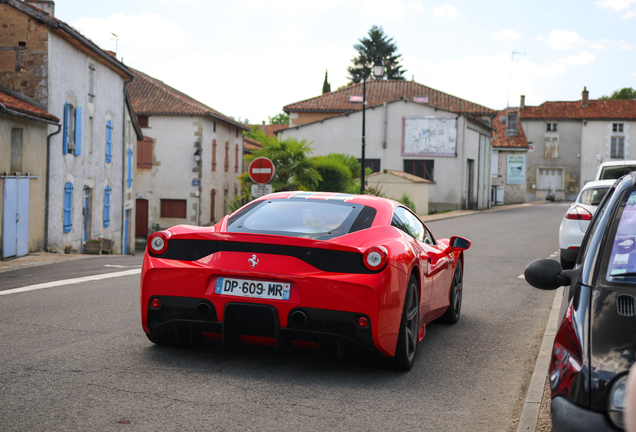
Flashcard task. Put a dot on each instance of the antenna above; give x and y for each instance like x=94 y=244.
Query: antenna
x=512 y=58
x=116 y=41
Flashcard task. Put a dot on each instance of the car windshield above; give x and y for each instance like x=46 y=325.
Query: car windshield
x=316 y=219
x=622 y=264
x=615 y=172
x=593 y=196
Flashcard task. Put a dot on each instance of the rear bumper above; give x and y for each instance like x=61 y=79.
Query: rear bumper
x=569 y=417
x=188 y=317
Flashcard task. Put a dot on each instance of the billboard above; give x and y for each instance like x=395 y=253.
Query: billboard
x=429 y=136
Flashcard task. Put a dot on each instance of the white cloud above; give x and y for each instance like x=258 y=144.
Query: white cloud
x=506 y=35
x=628 y=7
x=293 y=7
x=415 y=6
x=391 y=9
x=579 y=59
x=147 y=31
x=446 y=11
x=562 y=40
x=292 y=31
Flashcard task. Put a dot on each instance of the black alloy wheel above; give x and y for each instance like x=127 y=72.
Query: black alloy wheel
x=451 y=316
x=409 y=329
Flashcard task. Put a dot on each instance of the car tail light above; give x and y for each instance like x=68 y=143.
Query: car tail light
x=158 y=242
x=578 y=213
x=566 y=357
x=375 y=258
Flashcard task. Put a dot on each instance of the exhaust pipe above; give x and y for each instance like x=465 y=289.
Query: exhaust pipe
x=299 y=318
x=204 y=310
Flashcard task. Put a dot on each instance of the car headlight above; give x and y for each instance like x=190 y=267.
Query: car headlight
x=616 y=403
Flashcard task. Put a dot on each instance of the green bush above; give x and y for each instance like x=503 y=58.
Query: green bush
x=336 y=176
x=404 y=199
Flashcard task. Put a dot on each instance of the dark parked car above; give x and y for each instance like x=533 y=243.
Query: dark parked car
x=595 y=344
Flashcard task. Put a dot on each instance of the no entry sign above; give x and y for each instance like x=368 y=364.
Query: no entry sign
x=261 y=170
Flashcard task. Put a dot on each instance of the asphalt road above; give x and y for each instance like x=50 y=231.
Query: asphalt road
x=75 y=358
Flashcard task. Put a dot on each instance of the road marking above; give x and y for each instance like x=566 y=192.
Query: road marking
x=70 y=281
x=121 y=266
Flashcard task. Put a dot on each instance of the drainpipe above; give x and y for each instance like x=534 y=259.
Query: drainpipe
x=123 y=171
x=48 y=186
x=384 y=107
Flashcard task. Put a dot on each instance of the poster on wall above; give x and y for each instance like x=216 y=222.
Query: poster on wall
x=432 y=136
x=516 y=169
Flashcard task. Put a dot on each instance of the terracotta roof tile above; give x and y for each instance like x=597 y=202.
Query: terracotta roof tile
x=597 y=109
x=251 y=144
x=19 y=106
x=501 y=139
x=379 y=91
x=150 y=96
x=401 y=174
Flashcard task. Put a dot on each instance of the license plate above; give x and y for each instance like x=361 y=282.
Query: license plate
x=252 y=288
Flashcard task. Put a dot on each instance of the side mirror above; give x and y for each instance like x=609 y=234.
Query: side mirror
x=545 y=274
x=459 y=243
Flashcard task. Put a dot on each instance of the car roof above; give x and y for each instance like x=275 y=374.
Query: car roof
x=618 y=163
x=598 y=184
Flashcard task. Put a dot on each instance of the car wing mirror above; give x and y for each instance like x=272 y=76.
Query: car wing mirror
x=459 y=243
x=546 y=274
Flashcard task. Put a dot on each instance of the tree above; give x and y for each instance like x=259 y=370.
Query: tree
x=326 y=87
x=624 y=93
x=380 y=45
x=337 y=175
x=281 y=118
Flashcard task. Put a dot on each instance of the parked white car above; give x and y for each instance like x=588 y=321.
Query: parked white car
x=615 y=169
x=577 y=219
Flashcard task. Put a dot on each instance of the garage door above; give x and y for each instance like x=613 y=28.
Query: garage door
x=550 y=179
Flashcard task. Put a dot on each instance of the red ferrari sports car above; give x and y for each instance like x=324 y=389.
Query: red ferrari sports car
x=332 y=271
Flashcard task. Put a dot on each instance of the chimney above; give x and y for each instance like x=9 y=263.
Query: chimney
x=584 y=102
x=522 y=103
x=47 y=6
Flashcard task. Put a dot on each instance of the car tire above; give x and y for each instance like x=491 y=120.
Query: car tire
x=409 y=329
x=565 y=264
x=451 y=316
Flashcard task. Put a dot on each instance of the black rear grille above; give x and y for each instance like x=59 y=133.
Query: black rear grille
x=322 y=259
x=626 y=305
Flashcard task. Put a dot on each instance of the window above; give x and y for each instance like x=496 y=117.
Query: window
x=212 y=205
x=214 y=126
x=214 y=153
x=236 y=158
x=617 y=148
x=143 y=121
x=72 y=139
x=617 y=127
x=511 y=125
x=227 y=156
x=551 y=147
x=90 y=135
x=91 y=83
x=109 y=141
x=129 y=180
x=173 y=208
x=419 y=167
x=107 y=207
x=16 y=150
x=144 y=153
x=374 y=164
x=552 y=127
x=68 y=206
x=409 y=223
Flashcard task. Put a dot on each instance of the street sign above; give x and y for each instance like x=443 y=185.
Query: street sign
x=258 y=190
x=261 y=170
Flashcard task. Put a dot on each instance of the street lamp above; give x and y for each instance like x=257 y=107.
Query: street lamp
x=197 y=156
x=378 y=72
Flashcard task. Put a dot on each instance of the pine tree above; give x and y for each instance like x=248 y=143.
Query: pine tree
x=378 y=44
x=326 y=86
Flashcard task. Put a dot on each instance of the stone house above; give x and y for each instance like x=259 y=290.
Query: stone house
x=508 y=163
x=409 y=127
x=70 y=77
x=188 y=161
x=24 y=132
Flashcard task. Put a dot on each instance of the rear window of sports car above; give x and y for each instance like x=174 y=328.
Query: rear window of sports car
x=320 y=220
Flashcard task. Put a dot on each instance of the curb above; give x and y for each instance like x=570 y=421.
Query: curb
x=532 y=405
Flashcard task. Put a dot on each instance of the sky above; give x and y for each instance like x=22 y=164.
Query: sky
x=249 y=58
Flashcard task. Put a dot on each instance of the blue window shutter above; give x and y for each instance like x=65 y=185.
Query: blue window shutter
x=68 y=206
x=65 y=136
x=109 y=141
x=107 y=207
x=78 y=131
x=129 y=167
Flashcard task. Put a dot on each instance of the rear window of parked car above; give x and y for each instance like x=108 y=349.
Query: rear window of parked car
x=615 y=172
x=622 y=261
x=593 y=196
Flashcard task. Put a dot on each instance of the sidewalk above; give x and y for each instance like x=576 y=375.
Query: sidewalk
x=36 y=259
